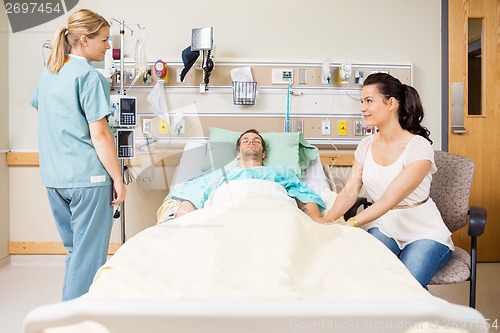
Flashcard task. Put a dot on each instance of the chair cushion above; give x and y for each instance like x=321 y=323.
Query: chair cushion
x=457 y=269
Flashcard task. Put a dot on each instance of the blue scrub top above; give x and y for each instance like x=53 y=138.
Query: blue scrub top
x=67 y=102
x=197 y=190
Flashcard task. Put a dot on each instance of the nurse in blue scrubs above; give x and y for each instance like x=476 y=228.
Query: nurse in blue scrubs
x=78 y=160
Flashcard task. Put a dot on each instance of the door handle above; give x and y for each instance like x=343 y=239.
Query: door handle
x=457 y=108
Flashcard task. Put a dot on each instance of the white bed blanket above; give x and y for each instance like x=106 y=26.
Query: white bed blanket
x=254 y=247
x=253 y=263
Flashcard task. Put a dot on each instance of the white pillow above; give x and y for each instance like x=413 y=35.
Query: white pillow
x=315 y=177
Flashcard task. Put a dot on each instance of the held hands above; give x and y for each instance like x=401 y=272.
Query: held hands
x=352 y=222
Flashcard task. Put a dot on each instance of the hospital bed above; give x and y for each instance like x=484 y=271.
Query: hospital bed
x=250 y=261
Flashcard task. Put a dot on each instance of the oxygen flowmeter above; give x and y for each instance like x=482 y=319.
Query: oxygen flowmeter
x=123 y=120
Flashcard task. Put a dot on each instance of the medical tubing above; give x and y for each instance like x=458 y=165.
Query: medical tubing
x=140 y=53
x=347 y=93
x=287 y=115
x=330 y=141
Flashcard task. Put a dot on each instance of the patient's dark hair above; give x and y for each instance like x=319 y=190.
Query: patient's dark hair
x=238 y=143
x=410 y=111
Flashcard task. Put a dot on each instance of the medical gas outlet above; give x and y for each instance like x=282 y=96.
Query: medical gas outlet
x=345 y=72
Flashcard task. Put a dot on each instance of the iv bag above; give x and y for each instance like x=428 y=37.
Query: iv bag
x=141 y=63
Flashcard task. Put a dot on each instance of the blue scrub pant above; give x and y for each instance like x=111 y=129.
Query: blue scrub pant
x=423 y=257
x=84 y=218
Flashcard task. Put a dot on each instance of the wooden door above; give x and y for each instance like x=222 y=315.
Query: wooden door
x=480 y=74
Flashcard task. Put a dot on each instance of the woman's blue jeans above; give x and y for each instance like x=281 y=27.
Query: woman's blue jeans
x=423 y=258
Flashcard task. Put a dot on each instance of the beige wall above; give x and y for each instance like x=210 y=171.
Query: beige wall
x=4 y=134
x=359 y=31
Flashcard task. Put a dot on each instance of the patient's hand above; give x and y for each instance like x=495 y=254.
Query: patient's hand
x=184 y=208
x=321 y=220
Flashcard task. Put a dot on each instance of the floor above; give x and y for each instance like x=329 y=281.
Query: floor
x=31 y=281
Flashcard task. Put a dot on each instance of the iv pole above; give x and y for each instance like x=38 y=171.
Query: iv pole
x=122 y=92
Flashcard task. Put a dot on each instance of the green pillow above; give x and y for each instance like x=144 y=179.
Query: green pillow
x=282 y=149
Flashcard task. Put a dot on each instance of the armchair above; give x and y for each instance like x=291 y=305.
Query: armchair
x=450 y=190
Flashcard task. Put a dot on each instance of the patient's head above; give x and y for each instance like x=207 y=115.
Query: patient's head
x=250 y=149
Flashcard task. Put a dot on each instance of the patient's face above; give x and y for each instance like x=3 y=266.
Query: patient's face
x=251 y=147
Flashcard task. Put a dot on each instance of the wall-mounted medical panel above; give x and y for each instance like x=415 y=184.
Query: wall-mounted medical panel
x=327 y=114
x=304 y=75
x=342 y=128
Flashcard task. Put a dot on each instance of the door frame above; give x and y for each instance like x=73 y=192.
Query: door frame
x=444 y=75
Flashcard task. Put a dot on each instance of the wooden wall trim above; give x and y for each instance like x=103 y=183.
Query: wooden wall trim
x=31 y=158
x=337 y=159
x=22 y=159
x=16 y=247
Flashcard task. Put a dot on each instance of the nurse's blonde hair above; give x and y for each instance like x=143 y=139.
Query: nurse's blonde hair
x=82 y=22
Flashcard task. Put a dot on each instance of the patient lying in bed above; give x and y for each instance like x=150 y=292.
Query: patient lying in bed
x=250 y=152
x=246 y=240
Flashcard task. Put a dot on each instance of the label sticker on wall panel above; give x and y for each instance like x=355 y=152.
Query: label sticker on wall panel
x=342 y=128
x=163 y=127
x=282 y=76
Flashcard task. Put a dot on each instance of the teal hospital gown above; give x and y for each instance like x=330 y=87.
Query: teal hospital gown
x=197 y=190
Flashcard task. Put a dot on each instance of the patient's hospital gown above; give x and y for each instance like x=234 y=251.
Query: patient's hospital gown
x=198 y=190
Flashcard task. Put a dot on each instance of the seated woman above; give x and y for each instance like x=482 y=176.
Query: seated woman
x=396 y=166
x=250 y=152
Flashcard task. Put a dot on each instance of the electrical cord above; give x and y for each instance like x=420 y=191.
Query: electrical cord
x=209 y=66
x=128 y=177
x=330 y=141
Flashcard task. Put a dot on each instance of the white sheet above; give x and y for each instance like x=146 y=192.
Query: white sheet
x=260 y=265
x=253 y=247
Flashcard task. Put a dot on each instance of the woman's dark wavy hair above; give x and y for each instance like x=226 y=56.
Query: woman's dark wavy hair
x=410 y=111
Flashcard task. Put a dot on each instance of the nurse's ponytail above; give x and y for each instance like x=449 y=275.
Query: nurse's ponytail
x=59 y=49
x=410 y=111
x=82 y=22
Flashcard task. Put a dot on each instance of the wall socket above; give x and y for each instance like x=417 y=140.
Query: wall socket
x=358 y=128
x=325 y=127
x=147 y=128
x=297 y=126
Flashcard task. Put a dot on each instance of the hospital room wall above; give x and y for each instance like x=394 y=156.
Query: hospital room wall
x=4 y=135
x=359 y=31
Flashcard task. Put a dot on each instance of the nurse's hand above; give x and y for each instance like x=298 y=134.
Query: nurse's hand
x=119 y=193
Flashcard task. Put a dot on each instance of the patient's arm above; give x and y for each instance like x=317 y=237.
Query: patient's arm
x=184 y=208
x=310 y=208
